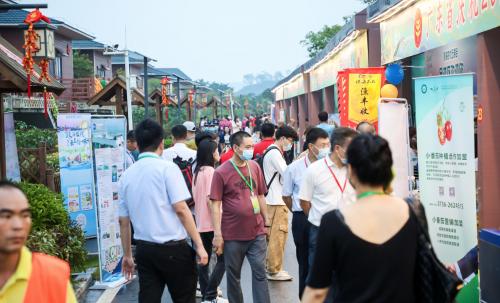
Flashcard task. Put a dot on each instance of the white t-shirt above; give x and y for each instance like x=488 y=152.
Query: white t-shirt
x=148 y=190
x=293 y=180
x=181 y=150
x=320 y=188
x=274 y=163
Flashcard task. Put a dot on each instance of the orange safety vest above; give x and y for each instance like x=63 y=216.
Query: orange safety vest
x=49 y=279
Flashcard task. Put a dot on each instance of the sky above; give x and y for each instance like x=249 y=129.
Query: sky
x=214 y=40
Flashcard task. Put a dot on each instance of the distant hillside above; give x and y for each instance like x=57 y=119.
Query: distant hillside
x=257 y=88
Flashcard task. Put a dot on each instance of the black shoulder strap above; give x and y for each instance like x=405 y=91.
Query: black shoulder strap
x=276 y=173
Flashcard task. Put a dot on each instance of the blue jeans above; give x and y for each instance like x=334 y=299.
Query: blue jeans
x=234 y=254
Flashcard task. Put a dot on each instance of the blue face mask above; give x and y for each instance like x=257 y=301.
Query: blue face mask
x=247 y=154
x=323 y=153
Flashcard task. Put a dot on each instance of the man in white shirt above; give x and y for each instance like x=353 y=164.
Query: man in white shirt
x=274 y=168
x=153 y=200
x=318 y=147
x=131 y=151
x=179 y=148
x=325 y=184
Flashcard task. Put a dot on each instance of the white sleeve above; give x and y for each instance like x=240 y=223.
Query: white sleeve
x=167 y=155
x=277 y=161
x=307 y=185
x=122 y=204
x=177 y=190
x=287 y=183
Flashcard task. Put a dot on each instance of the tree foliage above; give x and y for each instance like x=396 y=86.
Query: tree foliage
x=82 y=65
x=317 y=41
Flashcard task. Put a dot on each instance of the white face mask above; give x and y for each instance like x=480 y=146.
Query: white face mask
x=287 y=147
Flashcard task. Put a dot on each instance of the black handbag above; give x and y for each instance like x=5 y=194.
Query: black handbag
x=433 y=282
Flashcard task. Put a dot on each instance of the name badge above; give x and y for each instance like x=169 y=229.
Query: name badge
x=255 y=204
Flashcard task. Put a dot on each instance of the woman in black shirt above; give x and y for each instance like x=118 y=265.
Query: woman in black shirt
x=370 y=246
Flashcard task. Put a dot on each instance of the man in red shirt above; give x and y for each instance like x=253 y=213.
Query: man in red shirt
x=238 y=187
x=226 y=156
x=267 y=132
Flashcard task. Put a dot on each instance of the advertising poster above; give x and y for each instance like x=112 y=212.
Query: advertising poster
x=428 y=24
x=445 y=130
x=109 y=140
x=12 y=160
x=77 y=175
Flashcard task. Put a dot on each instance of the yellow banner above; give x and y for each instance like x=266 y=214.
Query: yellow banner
x=364 y=92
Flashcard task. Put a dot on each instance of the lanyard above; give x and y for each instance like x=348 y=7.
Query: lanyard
x=129 y=154
x=142 y=156
x=342 y=189
x=249 y=184
x=369 y=194
x=305 y=162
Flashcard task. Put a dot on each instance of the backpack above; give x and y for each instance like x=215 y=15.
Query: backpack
x=260 y=160
x=186 y=167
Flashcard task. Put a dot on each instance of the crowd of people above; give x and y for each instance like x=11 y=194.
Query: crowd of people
x=219 y=195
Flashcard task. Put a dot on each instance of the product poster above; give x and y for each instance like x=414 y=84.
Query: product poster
x=77 y=177
x=109 y=139
x=445 y=130
x=12 y=160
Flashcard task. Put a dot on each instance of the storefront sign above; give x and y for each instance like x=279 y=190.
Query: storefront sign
x=359 y=92
x=354 y=54
x=12 y=172
x=428 y=24
x=76 y=163
x=108 y=140
x=445 y=128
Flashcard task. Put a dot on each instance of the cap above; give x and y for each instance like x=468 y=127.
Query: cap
x=190 y=126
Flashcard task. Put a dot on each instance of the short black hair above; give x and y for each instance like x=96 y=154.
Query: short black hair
x=371 y=161
x=149 y=135
x=237 y=138
x=314 y=134
x=340 y=136
x=204 y=135
x=131 y=135
x=287 y=132
x=267 y=130
x=323 y=116
x=6 y=184
x=179 y=132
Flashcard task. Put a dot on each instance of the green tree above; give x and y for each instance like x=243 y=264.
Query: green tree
x=317 y=41
x=82 y=65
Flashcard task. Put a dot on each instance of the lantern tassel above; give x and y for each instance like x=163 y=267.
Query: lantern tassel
x=166 y=113
x=29 y=85
x=45 y=103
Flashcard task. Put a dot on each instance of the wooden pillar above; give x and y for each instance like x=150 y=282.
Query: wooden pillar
x=293 y=110
x=188 y=110
x=314 y=108
x=3 y=166
x=119 y=101
x=302 y=114
x=329 y=99
x=159 y=116
x=488 y=130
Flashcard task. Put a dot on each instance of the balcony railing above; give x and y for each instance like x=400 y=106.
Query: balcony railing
x=81 y=89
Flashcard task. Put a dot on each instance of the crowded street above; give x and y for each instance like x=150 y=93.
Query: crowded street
x=249 y=151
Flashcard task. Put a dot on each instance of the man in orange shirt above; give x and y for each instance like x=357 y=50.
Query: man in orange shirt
x=267 y=132
x=25 y=276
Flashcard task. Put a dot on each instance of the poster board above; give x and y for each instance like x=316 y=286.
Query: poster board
x=445 y=134
x=393 y=126
x=77 y=174
x=12 y=160
x=109 y=143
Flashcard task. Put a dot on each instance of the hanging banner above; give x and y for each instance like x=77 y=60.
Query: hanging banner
x=77 y=175
x=428 y=24
x=12 y=160
x=359 y=92
x=445 y=130
x=393 y=126
x=108 y=141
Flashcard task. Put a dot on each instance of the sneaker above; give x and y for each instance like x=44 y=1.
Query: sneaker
x=219 y=292
x=198 y=293
x=279 y=276
x=218 y=300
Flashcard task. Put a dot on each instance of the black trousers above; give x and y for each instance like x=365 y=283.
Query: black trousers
x=160 y=264
x=300 y=231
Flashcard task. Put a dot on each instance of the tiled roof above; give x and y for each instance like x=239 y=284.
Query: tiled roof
x=133 y=57
x=160 y=72
x=87 y=44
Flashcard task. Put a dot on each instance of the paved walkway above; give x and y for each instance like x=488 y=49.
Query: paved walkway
x=281 y=292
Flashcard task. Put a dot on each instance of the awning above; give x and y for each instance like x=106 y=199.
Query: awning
x=107 y=95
